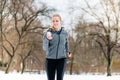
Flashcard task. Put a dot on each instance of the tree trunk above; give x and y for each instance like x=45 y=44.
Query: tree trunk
x=23 y=67
x=71 y=66
x=7 y=70
x=109 y=67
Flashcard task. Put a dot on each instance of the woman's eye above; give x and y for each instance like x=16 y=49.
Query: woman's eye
x=56 y=21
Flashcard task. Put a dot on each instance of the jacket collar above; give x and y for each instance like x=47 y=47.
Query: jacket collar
x=51 y=30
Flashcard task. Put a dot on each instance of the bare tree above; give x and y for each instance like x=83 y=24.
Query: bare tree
x=21 y=21
x=3 y=14
x=108 y=21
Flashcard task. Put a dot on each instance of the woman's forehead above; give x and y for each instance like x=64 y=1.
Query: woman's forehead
x=56 y=17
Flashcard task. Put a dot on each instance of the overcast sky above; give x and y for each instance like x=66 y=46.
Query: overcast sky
x=68 y=9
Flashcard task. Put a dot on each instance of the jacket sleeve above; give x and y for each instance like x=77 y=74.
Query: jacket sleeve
x=67 y=44
x=45 y=42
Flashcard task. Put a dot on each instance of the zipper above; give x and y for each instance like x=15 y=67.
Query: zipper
x=58 y=45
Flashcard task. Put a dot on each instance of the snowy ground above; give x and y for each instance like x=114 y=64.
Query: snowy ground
x=28 y=76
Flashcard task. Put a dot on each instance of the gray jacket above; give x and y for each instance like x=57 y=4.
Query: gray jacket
x=58 y=47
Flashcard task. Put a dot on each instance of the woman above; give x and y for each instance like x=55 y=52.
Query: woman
x=55 y=43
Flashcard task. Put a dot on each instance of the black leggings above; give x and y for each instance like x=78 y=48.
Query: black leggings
x=55 y=66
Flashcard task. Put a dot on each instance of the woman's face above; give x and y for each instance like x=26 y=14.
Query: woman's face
x=56 y=22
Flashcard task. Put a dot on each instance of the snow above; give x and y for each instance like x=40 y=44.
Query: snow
x=34 y=76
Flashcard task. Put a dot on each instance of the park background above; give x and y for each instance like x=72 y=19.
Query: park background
x=93 y=27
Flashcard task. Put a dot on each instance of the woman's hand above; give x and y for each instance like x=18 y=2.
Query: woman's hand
x=49 y=35
x=69 y=55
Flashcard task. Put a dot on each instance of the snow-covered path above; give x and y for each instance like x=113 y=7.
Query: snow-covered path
x=18 y=76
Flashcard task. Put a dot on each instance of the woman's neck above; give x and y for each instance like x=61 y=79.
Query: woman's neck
x=58 y=29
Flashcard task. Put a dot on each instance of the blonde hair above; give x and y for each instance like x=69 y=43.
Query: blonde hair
x=56 y=15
